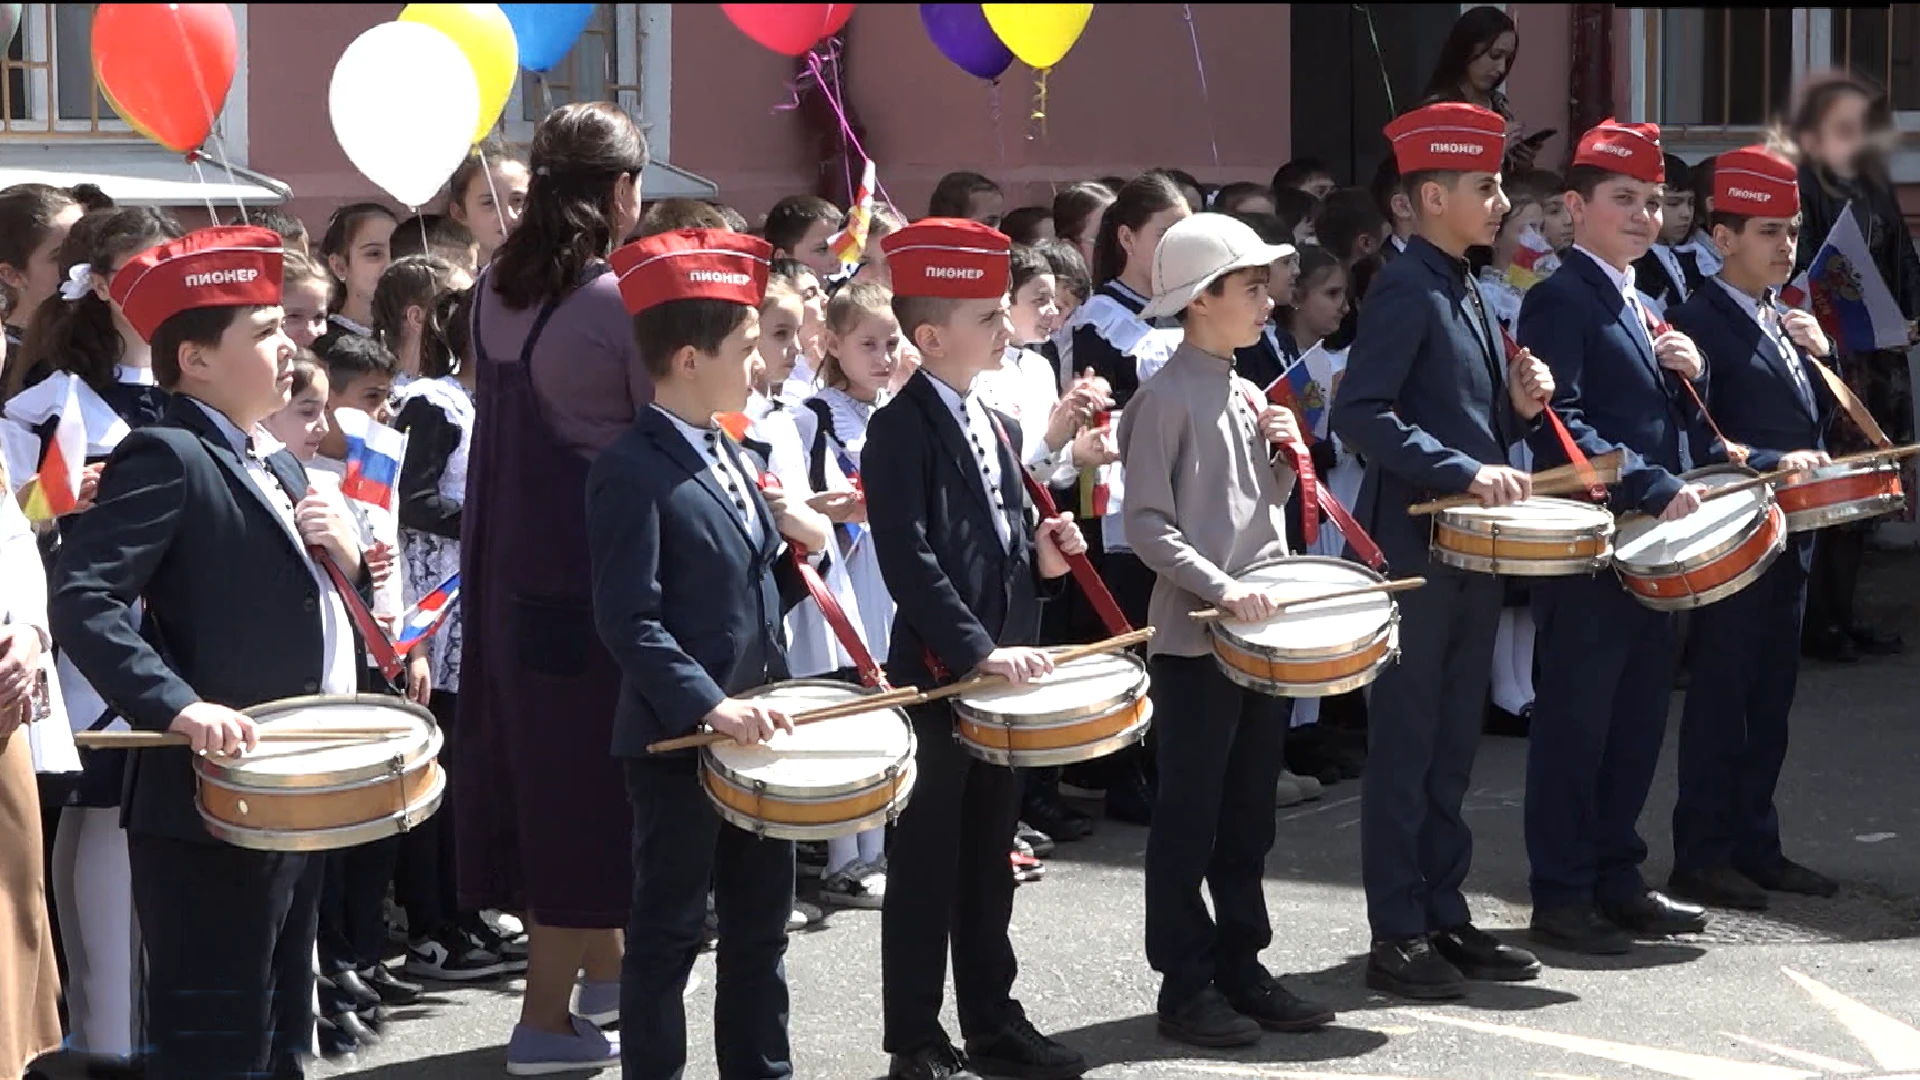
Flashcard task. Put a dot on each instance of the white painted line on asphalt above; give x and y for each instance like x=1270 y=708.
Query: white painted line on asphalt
x=1804 y=1057
x=1321 y=809
x=1875 y=837
x=1894 y=1045
x=1676 y=1063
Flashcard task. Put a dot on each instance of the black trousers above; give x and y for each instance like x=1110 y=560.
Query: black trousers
x=229 y=938
x=680 y=849
x=1835 y=577
x=353 y=925
x=948 y=887
x=424 y=883
x=1221 y=748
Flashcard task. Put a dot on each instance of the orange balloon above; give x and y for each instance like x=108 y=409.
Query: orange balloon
x=166 y=68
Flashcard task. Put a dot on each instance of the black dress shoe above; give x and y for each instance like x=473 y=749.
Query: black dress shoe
x=1208 y=1020
x=105 y=1067
x=1508 y=725
x=391 y=989
x=1791 y=877
x=1274 y=1008
x=940 y=1061
x=1872 y=642
x=1052 y=817
x=1653 y=914
x=355 y=1028
x=1021 y=1052
x=1129 y=799
x=1480 y=955
x=1718 y=886
x=1578 y=929
x=353 y=991
x=333 y=1042
x=1833 y=647
x=1411 y=968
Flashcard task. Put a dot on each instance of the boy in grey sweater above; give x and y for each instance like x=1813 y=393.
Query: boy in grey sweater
x=1205 y=500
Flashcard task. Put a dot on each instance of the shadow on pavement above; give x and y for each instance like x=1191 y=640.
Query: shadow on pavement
x=1134 y=1040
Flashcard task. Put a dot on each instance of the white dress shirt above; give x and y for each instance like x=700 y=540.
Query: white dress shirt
x=340 y=662
x=1768 y=319
x=971 y=414
x=706 y=442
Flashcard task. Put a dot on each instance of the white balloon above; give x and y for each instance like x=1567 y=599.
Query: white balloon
x=404 y=104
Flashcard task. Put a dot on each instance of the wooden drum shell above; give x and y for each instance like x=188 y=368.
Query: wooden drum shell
x=759 y=810
x=1838 y=494
x=1322 y=668
x=1702 y=577
x=1486 y=545
x=1063 y=736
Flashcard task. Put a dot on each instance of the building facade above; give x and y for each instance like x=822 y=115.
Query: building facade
x=1266 y=82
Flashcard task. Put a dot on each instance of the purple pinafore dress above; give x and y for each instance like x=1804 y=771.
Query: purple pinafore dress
x=544 y=824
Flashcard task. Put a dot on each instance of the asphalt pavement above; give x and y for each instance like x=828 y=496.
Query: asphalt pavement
x=1810 y=989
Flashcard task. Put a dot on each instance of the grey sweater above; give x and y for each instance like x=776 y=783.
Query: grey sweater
x=1204 y=501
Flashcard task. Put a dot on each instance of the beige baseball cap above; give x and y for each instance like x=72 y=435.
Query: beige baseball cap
x=1196 y=252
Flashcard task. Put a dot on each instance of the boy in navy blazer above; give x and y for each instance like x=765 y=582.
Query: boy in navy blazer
x=1768 y=394
x=1606 y=660
x=211 y=522
x=687 y=597
x=1433 y=406
x=965 y=566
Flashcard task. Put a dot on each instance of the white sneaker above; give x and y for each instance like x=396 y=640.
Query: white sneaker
x=1287 y=792
x=1310 y=787
x=855 y=885
x=803 y=916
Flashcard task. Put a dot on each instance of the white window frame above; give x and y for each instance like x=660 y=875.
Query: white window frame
x=229 y=132
x=643 y=56
x=1812 y=30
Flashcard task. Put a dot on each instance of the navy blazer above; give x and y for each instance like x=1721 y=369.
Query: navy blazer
x=1751 y=389
x=957 y=593
x=1424 y=400
x=232 y=607
x=686 y=602
x=1652 y=277
x=1608 y=387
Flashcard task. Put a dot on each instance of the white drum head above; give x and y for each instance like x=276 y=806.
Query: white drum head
x=1354 y=620
x=1647 y=543
x=1547 y=517
x=829 y=754
x=1073 y=686
x=323 y=762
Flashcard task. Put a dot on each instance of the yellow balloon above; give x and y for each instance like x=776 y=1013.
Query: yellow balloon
x=486 y=37
x=1039 y=34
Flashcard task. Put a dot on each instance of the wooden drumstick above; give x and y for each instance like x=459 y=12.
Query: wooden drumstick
x=892 y=699
x=1215 y=614
x=1559 y=480
x=1117 y=643
x=149 y=740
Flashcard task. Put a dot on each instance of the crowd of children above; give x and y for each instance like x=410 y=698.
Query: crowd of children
x=1113 y=346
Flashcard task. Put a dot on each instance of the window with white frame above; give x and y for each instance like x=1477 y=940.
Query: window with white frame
x=1737 y=67
x=624 y=56
x=47 y=89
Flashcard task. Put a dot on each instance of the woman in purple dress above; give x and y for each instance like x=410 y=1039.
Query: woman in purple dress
x=543 y=825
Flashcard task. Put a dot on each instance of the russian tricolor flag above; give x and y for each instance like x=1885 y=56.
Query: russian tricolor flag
x=427 y=615
x=1843 y=289
x=1306 y=387
x=374 y=453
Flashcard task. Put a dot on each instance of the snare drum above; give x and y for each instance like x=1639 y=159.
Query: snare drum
x=1530 y=538
x=1312 y=651
x=329 y=793
x=1708 y=555
x=1847 y=492
x=1084 y=709
x=834 y=778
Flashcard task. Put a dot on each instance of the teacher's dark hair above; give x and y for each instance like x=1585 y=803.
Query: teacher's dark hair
x=1473 y=33
x=578 y=156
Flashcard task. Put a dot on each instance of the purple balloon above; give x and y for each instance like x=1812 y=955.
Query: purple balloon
x=961 y=33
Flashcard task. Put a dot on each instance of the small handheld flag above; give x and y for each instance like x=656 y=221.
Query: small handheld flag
x=1533 y=260
x=1306 y=387
x=56 y=486
x=1843 y=288
x=374 y=453
x=849 y=242
x=426 y=616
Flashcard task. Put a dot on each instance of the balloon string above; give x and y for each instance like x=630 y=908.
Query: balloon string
x=213 y=117
x=1039 y=102
x=1199 y=65
x=846 y=126
x=546 y=95
x=999 y=130
x=486 y=170
x=213 y=216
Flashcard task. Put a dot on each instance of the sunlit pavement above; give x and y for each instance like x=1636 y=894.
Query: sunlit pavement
x=1811 y=989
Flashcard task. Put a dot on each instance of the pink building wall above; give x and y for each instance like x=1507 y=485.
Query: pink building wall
x=1538 y=89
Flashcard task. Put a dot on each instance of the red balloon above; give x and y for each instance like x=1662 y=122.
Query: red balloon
x=166 y=67
x=788 y=28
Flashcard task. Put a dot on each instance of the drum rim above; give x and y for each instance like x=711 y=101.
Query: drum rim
x=1766 y=500
x=332 y=839
x=841 y=790
x=212 y=770
x=1745 y=578
x=265 y=709
x=1342 y=685
x=1842 y=470
x=812 y=833
x=1601 y=528
x=1077 y=714
x=1328 y=652
x=1481 y=564
x=1062 y=755
x=1839 y=513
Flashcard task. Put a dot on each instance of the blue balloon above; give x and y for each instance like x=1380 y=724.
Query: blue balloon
x=546 y=31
